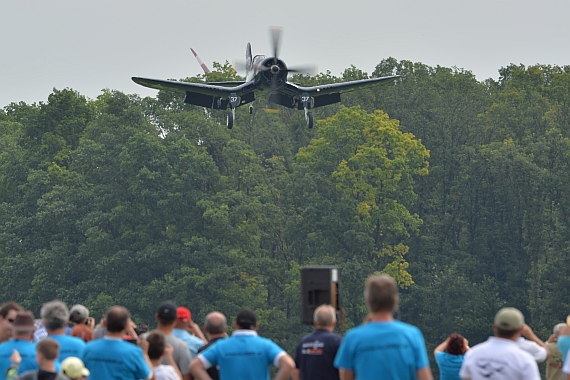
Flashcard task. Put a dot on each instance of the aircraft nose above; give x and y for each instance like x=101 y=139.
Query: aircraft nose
x=274 y=69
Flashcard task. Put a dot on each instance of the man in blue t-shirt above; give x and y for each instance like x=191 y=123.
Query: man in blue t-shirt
x=55 y=316
x=394 y=349
x=112 y=357
x=316 y=352
x=22 y=342
x=244 y=355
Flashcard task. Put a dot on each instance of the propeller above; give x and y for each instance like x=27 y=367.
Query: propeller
x=275 y=32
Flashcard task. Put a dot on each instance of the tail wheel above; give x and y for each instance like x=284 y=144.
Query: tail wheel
x=230 y=121
x=310 y=120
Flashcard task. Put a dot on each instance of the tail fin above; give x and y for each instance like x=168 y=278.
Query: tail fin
x=202 y=64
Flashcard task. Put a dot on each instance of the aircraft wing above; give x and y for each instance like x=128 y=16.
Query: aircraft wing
x=339 y=87
x=216 y=95
x=216 y=89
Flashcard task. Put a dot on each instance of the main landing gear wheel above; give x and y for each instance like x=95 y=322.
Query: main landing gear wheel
x=310 y=120
x=230 y=121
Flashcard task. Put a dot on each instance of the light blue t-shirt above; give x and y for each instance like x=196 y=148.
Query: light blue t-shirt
x=243 y=356
x=27 y=351
x=449 y=365
x=115 y=359
x=564 y=346
x=394 y=349
x=193 y=343
x=68 y=346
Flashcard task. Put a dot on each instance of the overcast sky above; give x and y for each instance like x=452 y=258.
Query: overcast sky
x=90 y=45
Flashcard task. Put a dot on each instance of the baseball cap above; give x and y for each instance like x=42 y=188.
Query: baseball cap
x=246 y=319
x=183 y=314
x=167 y=310
x=509 y=319
x=78 y=313
x=73 y=368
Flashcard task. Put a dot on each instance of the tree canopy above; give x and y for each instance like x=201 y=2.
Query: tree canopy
x=457 y=188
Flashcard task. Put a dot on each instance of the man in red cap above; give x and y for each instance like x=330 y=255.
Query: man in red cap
x=188 y=331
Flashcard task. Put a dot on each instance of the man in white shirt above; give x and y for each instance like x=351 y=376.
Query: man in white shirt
x=499 y=358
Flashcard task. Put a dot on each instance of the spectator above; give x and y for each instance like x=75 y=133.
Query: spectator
x=166 y=317
x=244 y=355
x=383 y=345
x=566 y=369
x=74 y=369
x=113 y=358
x=449 y=356
x=500 y=357
x=8 y=313
x=533 y=345
x=215 y=326
x=188 y=331
x=314 y=358
x=22 y=343
x=55 y=316
x=564 y=340
x=554 y=361
x=47 y=353
x=158 y=350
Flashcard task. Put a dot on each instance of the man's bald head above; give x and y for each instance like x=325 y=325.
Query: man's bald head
x=116 y=319
x=215 y=323
x=324 y=316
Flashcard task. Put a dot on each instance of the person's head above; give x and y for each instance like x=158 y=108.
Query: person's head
x=74 y=369
x=381 y=293
x=156 y=345
x=456 y=345
x=508 y=323
x=54 y=315
x=246 y=320
x=8 y=311
x=116 y=319
x=558 y=329
x=215 y=324
x=166 y=313
x=47 y=350
x=78 y=314
x=183 y=317
x=23 y=325
x=324 y=316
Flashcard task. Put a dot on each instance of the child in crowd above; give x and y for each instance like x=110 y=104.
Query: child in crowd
x=157 y=349
x=47 y=351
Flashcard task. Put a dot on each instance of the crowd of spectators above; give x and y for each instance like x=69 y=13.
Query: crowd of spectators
x=66 y=344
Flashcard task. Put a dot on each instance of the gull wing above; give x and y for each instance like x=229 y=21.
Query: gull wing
x=331 y=88
x=215 y=89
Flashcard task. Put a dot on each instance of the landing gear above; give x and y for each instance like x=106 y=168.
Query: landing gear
x=306 y=102
x=251 y=110
x=310 y=120
x=230 y=121
x=234 y=101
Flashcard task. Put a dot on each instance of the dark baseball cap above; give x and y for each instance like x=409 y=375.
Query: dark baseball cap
x=167 y=311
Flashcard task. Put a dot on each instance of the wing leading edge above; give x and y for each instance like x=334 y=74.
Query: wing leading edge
x=326 y=89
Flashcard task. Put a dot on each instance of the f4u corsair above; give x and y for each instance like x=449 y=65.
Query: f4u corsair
x=263 y=75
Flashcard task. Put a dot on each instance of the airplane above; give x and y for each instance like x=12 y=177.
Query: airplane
x=265 y=75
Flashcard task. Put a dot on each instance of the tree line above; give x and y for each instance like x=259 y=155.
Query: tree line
x=456 y=187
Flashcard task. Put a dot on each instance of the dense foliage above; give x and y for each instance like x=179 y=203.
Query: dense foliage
x=122 y=200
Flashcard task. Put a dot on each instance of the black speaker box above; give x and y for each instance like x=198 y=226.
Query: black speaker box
x=319 y=285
